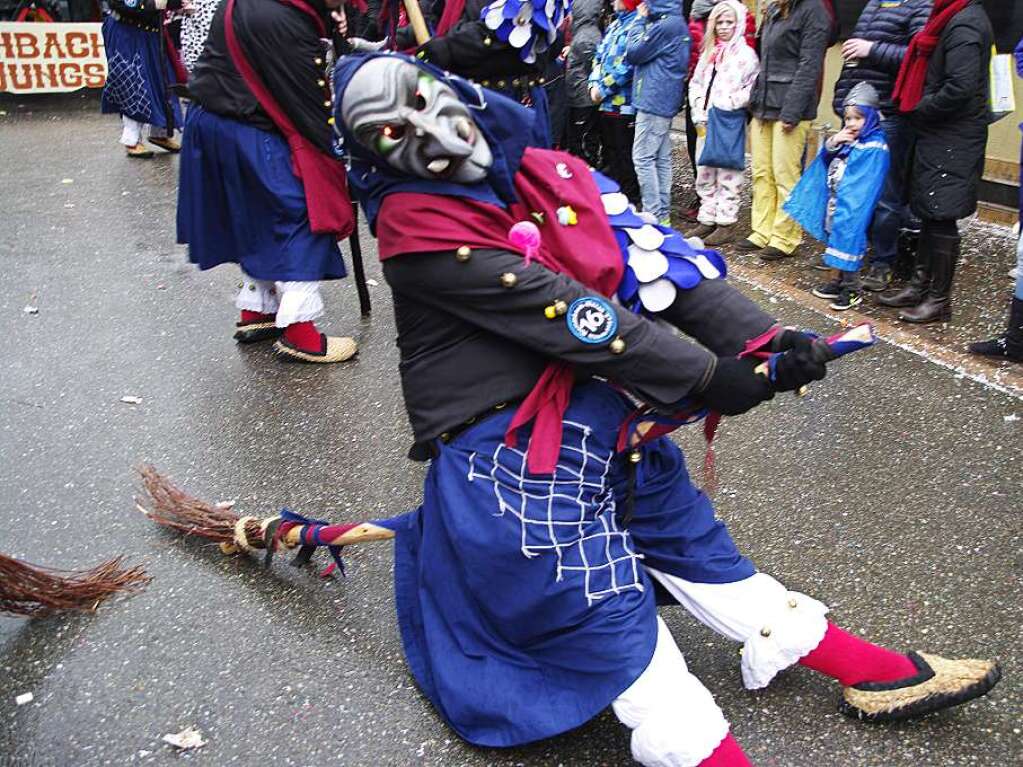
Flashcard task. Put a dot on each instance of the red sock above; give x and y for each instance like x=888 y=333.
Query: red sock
x=248 y=317
x=852 y=660
x=727 y=754
x=303 y=335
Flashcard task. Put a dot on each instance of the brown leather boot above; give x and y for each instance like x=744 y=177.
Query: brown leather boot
x=724 y=234
x=937 y=304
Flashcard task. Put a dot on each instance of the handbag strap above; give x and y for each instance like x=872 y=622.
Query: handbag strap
x=706 y=96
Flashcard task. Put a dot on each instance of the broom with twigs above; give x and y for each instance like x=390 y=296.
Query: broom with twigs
x=171 y=507
x=33 y=591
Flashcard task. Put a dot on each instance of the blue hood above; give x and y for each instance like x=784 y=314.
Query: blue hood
x=871 y=131
x=665 y=7
x=508 y=127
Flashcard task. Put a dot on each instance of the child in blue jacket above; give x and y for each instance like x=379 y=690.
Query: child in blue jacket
x=835 y=199
x=658 y=48
x=610 y=84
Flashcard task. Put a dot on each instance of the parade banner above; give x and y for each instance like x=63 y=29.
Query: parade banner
x=51 y=58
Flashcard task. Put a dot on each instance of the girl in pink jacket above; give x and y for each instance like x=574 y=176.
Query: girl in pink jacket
x=723 y=79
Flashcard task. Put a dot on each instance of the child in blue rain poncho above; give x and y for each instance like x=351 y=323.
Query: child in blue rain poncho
x=835 y=199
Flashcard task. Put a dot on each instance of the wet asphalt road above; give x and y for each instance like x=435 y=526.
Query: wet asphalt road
x=893 y=492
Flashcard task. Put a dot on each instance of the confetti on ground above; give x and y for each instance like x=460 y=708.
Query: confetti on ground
x=128 y=399
x=31 y=309
x=187 y=739
x=24 y=698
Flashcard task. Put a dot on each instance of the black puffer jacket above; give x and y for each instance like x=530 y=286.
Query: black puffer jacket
x=951 y=121
x=792 y=52
x=888 y=24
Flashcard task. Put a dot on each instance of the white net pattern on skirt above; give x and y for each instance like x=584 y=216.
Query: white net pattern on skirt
x=570 y=513
x=126 y=86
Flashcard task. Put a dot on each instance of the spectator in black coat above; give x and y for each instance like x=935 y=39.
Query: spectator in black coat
x=950 y=123
x=874 y=54
x=583 y=119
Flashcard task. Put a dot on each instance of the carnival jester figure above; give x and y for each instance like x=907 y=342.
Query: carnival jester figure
x=554 y=504
x=261 y=184
x=525 y=581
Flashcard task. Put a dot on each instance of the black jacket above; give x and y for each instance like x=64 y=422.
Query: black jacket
x=791 y=62
x=888 y=24
x=467 y=343
x=284 y=47
x=586 y=36
x=950 y=123
x=142 y=13
x=471 y=50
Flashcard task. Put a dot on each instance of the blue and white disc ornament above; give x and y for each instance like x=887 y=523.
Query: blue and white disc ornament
x=529 y=26
x=658 y=260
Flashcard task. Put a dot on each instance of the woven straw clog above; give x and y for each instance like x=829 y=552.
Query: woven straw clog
x=167 y=144
x=252 y=332
x=332 y=349
x=940 y=683
x=139 y=152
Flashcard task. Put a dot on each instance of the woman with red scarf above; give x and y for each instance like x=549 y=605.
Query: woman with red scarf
x=943 y=88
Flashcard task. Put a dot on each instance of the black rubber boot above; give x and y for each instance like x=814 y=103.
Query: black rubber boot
x=915 y=290
x=1009 y=345
x=937 y=303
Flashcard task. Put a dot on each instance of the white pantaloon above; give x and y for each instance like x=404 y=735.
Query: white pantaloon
x=133 y=132
x=291 y=301
x=674 y=719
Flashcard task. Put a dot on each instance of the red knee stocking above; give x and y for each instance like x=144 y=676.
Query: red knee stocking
x=304 y=336
x=727 y=754
x=250 y=317
x=852 y=660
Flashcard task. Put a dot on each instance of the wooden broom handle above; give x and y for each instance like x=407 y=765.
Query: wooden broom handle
x=364 y=533
x=415 y=18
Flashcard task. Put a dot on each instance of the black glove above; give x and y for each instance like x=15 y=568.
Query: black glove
x=734 y=388
x=801 y=363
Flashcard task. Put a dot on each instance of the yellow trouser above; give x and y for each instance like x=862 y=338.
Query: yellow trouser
x=777 y=166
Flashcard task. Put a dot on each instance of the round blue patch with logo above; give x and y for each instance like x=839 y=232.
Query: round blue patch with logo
x=592 y=320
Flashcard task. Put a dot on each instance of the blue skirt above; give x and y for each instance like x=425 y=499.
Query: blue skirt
x=239 y=202
x=523 y=605
x=137 y=76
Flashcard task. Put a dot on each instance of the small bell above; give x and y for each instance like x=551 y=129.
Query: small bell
x=617 y=346
x=463 y=253
x=635 y=456
x=509 y=280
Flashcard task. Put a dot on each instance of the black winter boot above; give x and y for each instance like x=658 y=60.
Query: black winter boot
x=914 y=291
x=937 y=303
x=1009 y=345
